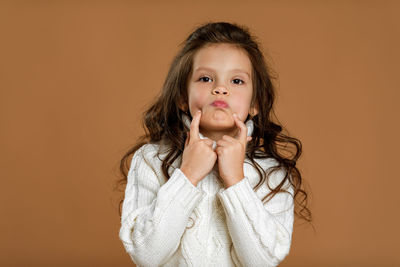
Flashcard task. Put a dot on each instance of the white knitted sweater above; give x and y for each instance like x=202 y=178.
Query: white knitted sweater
x=174 y=223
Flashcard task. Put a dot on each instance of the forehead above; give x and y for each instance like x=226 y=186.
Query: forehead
x=222 y=56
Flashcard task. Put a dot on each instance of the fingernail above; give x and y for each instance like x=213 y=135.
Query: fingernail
x=234 y=115
x=198 y=111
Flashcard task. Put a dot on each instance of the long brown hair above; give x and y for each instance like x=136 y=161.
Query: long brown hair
x=162 y=121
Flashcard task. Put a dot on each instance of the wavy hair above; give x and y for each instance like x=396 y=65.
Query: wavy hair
x=162 y=121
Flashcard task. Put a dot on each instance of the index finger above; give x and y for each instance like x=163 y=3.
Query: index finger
x=194 y=127
x=242 y=136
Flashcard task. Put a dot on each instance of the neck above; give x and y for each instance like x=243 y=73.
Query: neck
x=217 y=135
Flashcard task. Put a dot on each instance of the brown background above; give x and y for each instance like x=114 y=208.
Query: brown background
x=75 y=77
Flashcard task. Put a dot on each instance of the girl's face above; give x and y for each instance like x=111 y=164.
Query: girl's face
x=220 y=72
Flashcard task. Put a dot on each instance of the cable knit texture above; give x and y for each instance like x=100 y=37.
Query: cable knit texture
x=174 y=223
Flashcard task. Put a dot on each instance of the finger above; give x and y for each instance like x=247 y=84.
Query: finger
x=194 y=127
x=223 y=143
x=187 y=139
x=242 y=135
x=229 y=138
x=208 y=142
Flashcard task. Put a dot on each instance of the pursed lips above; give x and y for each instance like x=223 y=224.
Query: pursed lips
x=220 y=104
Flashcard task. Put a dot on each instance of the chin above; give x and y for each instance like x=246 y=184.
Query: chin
x=220 y=125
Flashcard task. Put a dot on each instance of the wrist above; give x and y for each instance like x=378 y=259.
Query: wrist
x=189 y=176
x=228 y=182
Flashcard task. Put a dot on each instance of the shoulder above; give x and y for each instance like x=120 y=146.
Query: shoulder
x=149 y=151
x=264 y=163
x=149 y=158
x=274 y=178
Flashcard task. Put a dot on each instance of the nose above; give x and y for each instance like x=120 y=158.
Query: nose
x=220 y=90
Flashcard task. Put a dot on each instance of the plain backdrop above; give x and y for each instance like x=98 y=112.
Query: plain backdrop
x=75 y=77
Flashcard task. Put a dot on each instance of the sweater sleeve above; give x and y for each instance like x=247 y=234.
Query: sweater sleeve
x=154 y=217
x=261 y=233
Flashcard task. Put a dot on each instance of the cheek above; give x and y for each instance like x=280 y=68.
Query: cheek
x=197 y=98
x=241 y=106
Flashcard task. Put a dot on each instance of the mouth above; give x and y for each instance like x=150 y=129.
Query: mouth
x=220 y=104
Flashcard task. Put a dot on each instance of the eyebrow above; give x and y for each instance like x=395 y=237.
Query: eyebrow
x=232 y=70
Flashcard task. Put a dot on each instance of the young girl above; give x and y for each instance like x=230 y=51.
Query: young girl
x=207 y=185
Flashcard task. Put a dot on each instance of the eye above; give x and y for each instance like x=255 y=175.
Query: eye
x=238 y=81
x=205 y=78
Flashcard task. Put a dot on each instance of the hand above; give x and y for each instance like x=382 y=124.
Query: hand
x=198 y=157
x=231 y=153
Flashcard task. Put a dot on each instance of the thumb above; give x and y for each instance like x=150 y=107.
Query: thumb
x=249 y=138
x=209 y=142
